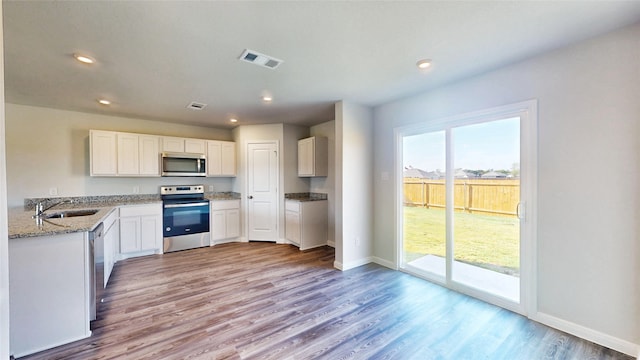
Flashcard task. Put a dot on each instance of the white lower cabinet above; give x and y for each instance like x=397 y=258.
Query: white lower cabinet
x=49 y=287
x=306 y=223
x=225 y=220
x=140 y=229
x=111 y=243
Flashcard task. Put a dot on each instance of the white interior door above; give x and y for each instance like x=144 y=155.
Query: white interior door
x=262 y=191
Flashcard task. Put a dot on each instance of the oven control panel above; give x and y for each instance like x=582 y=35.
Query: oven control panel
x=181 y=189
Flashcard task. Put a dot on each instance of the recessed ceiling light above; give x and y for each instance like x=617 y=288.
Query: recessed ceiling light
x=104 y=102
x=233 y=120
x=267 y=98
x=84 y=59
x=424 y=63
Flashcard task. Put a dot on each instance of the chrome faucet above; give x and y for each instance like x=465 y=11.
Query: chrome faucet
x=40 y=209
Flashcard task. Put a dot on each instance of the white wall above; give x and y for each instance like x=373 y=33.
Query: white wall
x=326 y=184
x=589 y=176
x=354 y=186
x=4 y=235
x=49 y=148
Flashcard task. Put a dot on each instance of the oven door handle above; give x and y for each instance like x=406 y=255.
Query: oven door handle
x=170 y=206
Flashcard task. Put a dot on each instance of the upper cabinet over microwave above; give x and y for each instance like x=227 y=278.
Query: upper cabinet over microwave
x=183 y=164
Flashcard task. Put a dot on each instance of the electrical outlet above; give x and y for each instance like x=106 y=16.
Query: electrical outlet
x=136 y=189
x=53 y=191
x=210 y=188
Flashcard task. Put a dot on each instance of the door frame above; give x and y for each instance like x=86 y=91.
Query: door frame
x=528 y=112
x=245 y=200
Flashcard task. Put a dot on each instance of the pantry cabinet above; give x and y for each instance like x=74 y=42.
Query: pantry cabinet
x=225 y=220
x=312 y=157
x=221 y=158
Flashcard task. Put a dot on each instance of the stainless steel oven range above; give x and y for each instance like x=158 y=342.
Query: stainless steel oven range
x=185 y=217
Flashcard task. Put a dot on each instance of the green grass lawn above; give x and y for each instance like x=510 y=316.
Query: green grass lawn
x=491 y=242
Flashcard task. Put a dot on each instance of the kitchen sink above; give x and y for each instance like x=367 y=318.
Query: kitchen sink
x=71 y=213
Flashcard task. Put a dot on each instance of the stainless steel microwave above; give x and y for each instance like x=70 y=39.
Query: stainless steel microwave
x=183 y=164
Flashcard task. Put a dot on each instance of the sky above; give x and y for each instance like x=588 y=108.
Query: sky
x=491 y=145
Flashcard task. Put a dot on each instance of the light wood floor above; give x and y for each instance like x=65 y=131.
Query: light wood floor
x=267 y=301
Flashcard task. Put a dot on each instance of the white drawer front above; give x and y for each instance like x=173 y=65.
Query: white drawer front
x=141 y=210
x=291 y=205
x=225 y=204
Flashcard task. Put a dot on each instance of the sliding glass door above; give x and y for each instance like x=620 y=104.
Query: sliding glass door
x=462 y=204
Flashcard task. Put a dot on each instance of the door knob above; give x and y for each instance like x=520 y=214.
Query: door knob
x=250 y=197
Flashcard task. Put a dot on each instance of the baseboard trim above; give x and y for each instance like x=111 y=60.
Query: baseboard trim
x=586 y=333
x=331 y=243
x=351 y=264
x=386 y=263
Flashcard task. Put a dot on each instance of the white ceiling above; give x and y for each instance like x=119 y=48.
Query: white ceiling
x=154 y=58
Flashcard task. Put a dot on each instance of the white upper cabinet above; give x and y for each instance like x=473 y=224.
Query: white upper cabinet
x=128 y=154
x=172 y=144
x=124 y=154
x=115 y=153
x=138 y=155
x=312 y=157
x=103 y=153
x=195 y=146
x=176 y=144
x=149 y=155
x=221 y=158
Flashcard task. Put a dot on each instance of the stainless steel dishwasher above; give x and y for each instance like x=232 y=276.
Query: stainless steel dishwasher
x=96 y=269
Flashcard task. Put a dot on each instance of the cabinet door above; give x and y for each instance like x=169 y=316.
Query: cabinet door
x=149 y=155
x=172 y=144
x=214 y=158
x=218 y=225
x=111 y=241
x=129 y=235
x=292 y=227
x=149 y=232
x=103 y=153
x=305 y=157
x=233 y=223
x=195 y=146
x=228 y=159
x=128 y=159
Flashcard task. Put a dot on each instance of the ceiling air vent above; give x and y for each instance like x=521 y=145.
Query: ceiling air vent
x=196 y=106
x=257 y=58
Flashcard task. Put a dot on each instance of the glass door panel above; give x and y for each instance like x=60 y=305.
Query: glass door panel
x=486 y=228
x=424 y=215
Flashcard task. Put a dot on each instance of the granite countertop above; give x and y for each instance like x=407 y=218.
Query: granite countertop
x=308 y=196
x=222 y=196
x=22 y=224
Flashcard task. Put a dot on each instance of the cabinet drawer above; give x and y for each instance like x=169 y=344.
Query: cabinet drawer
x=141 y=210
x=292 y=206
x=225 y=204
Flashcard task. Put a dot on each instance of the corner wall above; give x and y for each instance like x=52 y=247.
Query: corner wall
x=588 y=276
x=354 y=186
x=326 y=184
x=4 y=235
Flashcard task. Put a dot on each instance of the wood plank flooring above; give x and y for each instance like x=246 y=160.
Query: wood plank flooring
x=267 y=301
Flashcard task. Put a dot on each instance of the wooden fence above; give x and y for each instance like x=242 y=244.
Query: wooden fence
x=486 y=196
